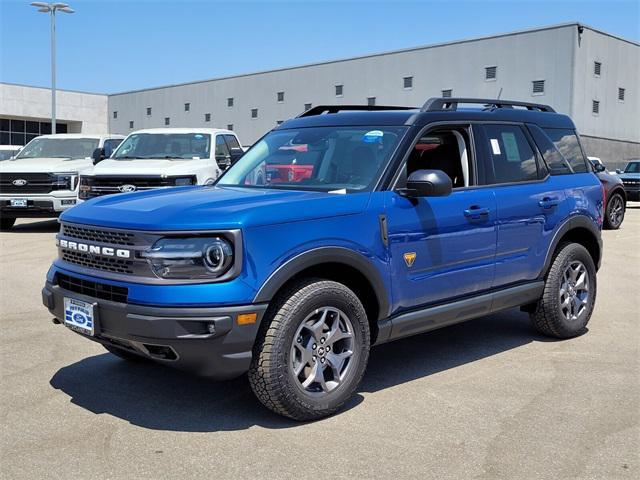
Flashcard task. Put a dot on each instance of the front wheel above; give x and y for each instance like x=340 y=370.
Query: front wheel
x=569 y=294
x=6 y=223
x=614 y=212
x=311 y=357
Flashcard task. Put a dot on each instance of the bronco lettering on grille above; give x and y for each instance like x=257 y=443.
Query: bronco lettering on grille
x=94 y=249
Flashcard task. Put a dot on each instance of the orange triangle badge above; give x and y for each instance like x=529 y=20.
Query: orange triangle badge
x=409 y=258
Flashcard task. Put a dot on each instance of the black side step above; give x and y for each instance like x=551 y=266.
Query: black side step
x=431 y=318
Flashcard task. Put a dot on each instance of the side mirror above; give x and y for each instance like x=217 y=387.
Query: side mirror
x=428 y=183
x=98 y=155
x=598 y=167
x=224 y=161
x=618 y=170
x=236 y=154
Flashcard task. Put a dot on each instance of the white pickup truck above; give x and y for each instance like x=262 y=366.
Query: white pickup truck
x=42 y=180
x=160 y=158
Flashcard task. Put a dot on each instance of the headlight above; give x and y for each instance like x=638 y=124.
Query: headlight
x=190 y=258
x=182 y=181
x=68 y=181
x=85 y=188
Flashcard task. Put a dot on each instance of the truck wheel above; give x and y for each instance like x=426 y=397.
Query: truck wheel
x=615 y=212
x=311 y=357
x=6 y=223
x=569 y=294
x=124 y=354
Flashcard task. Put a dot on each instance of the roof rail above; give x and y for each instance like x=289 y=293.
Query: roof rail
x=321 y=109
x=438 y=104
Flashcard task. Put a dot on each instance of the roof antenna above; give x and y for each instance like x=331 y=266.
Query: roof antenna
x=499 y=93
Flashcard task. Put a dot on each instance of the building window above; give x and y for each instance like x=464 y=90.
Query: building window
x=597 y=68
x=595 y=107
x=167 y=120
x=339 y=90
x=279 y=122
x=207 y=117
x=187 y=107
x=21 y=132
x=230 y=127
x=371 y=101
x=148 y=111
x=490 y=73
x=130 y=123
x=230 y=102
x=537 y=87
x=407 y=83
x=254 y=113
x=280 y=97
x=115 y=114
x=621 y=94
x=447 y=93
x=307 y=106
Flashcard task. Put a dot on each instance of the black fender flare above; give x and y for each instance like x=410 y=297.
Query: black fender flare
x=318 y=256
x=578 y=221
x=618 y=189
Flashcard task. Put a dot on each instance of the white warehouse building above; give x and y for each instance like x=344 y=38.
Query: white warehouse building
x=588 y=74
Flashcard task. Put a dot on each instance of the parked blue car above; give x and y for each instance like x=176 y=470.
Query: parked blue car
x=404 y=220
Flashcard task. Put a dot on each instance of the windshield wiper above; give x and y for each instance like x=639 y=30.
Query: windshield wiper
x=129 y=157
x=170 y=157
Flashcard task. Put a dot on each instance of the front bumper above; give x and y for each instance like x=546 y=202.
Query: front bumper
x=633 y=192
x=179 y=337
x=37 y=205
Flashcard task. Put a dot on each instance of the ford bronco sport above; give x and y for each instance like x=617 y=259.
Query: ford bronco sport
x=412 y=219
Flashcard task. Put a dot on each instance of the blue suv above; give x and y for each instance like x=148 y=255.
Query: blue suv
x=346 y=227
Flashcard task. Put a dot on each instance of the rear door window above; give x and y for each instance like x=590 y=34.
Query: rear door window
x=513 y=158
x=566 y=141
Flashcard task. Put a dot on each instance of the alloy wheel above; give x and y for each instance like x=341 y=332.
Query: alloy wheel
x=574 y=291
x=322 y=351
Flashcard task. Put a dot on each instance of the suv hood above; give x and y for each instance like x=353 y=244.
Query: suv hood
x=146 y=166
x=45 y=165
x=210 y=208
x=629 y=176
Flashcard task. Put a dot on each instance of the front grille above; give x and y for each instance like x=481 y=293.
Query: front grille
x=106 y=264
x=98 y=235
x=102 y=291
x=107 y=185
x=35 y=183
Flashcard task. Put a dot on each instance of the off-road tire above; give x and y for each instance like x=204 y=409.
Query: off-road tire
x=611 y=203
x=547 y=317
x=6 y=223
x=124 y=354
x=270 y=374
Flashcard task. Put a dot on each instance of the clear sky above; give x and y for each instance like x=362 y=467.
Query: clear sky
x=110 y=46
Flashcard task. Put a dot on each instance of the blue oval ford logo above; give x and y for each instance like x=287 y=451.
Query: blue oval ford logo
x=79 y=318
x=127 y=188
x=19 y=182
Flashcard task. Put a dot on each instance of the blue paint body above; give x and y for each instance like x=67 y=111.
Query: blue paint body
x=456 y=255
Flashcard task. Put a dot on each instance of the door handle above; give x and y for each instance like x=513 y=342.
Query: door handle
x=548 y=202
x=475 y=212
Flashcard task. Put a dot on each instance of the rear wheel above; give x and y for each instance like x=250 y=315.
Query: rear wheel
x=615 y=212
x=569 y=294
x=6 y=223
x=312 y=355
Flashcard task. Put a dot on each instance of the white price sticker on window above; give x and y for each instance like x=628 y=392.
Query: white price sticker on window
x=495 y=146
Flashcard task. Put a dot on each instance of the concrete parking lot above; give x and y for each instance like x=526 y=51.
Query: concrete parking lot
x=488 y=399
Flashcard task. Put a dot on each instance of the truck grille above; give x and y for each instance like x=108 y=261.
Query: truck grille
x=102 y=291
x=107 y=185
x=98 y=235
x=106 y=264
x=29 y=183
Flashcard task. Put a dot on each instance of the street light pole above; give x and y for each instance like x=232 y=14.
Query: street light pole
x=51 y=9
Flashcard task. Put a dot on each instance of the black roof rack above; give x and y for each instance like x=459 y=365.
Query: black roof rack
x=438 y=104
x=321 y=109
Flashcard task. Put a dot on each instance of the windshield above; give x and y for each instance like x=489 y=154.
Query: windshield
x=344 y=159
x=164 y=145
x=44 y=147
x=632 y=167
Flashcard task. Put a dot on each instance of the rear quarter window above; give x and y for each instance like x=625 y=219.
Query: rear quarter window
x=566 y=141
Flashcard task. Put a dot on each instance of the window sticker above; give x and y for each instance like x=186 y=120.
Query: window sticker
x=495 y=146
x=373 y=136
x=510 y=146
